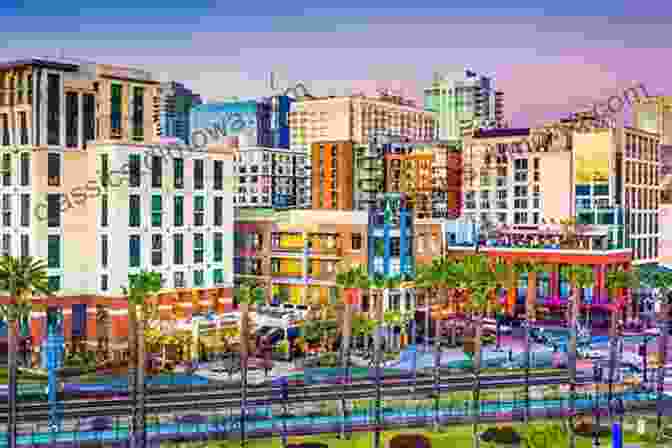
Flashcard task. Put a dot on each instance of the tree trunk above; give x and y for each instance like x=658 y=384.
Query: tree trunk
x=527 y=370
x=378 y=357
x=13 y=383
x=132 y=374
x=613 y=323
x=140 y=384
x=530 y=306
x=345 y=350
x=476 y=390
x=437 y=373
x=662 y=355
x=574 y=315
x=244 y=340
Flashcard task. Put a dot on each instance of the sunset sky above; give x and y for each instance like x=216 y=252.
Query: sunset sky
x=547 y=59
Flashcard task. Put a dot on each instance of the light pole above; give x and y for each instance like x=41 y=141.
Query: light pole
x=597 y=376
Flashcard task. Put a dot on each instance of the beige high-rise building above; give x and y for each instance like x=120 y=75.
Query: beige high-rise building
x=654 y=114
x=356 y=119
x=81 y=188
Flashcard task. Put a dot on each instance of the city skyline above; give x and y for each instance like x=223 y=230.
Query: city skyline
x=576 y=60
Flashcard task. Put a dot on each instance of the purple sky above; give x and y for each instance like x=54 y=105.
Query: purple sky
x=547 y=60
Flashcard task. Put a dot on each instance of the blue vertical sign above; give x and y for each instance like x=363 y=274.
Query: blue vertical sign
x=617 y=436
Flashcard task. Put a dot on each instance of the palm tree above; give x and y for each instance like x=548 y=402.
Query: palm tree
x=427 y=279
x=662 y=283
x=617 y=282
x=481 y=277
x=351 y=281
x=246 y=294
x=532 y=270
x=579 y=277
x=141 y=287
x=21 y=278
x=384 y=284
x=444 y=274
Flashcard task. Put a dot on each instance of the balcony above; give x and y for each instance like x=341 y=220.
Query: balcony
x=291 y=249
x=287 y=274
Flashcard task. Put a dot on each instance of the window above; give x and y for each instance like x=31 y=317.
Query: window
x=23 y=128
x=25 y=246
x=89 y=117
x=54 y=282
x=156 y=171
x=134 y=251
x=198 y=174
x=199 y=211
x=6 y=209
x=198 y=278
x=356 y=241
x=199 y=248
x=53 y=109
x=218 y=175
x=178 y=211
x=156 y=210
x=218 y=276
x=54 y=170
x=134 y=210
x=115 y=110
x=218 y=249
x=104 y=282
x=54 y=251
x=178 y=249
x=178 y=172
x=6 y=169
x=104 y=211
x=157 y=250
x=134 y=170
x=25 y=169
x=178 y=278
x=71 y=119
x=219 y=211
x=25 y=210
x=138 y=112
x=6 y=245
x=104 y=250
x=54 y=210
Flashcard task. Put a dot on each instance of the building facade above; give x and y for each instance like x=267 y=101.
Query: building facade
x=295 y=253
x=530 y=177
x=463 y=101
x=176 y=102
x=428 y=173
x=332 y=175
x=654 y=114
x=74 y=190
x=257 y=122
x=269 y=177
x=357 y=119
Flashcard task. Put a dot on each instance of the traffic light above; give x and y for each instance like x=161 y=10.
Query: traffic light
x=642 y=350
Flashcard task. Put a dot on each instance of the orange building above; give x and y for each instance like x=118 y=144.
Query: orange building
x=332 y=175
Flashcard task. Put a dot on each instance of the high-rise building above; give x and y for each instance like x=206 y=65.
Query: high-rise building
x=257 y=122
x=429 y=173
x=654 y=114
x=82 y=190
x=357 y=119
x=464 y=100
x=332 y=175
x=269 y=177
x=176 y=102
x=606 y=178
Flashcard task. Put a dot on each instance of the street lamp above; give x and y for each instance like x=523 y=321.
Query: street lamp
x=597 y=376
